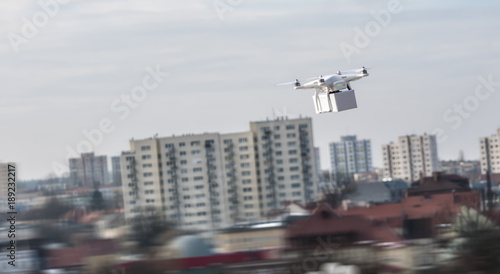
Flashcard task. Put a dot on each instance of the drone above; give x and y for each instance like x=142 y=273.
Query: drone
x=333 y=92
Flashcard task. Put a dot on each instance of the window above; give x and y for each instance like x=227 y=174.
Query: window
x=294 y=168
x=244 y=156
x=183 y=162
x=244 y=148
x=197 y=169
x=169 y=145
x=228 y=141
x=296 y=185
x=147 y=165
x=290 y=127
x=195 y=152
x=195 y=143
x=198 y=178
x=245 y=173
x=242 y=140
x=290 y=135
x=145 y=148
x=292 y=152
x=148 y=183
x=147 y=174
x=243 y=165
x=182 y=153
x=145 y=157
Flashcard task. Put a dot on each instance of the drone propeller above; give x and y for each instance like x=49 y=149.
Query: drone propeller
x=315 y=78
x=361 y=70
x=290 y=83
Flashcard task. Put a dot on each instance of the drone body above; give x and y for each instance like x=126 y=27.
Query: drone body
x=333 y=92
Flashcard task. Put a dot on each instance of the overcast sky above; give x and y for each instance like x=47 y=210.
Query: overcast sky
x=67 y=68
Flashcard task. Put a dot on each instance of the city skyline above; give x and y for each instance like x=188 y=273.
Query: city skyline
x=194 y=68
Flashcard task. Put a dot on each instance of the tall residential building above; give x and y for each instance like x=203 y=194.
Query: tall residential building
x=4 y=182
x=116 y=173
x=351 y=156
x=285 y=161
x=207 y=181
x=490 y=153
x=88 y=170
x=412 y=157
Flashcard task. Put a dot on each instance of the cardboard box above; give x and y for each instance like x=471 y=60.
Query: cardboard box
x=335 y=102
x=344 y=100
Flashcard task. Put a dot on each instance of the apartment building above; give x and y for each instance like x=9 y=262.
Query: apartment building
x=116 y=174
x=490 y=153
x=209 y=181
x=4 y=182
x=351 y=156
x=286 y=162
x=89 y=170
x=412 y=157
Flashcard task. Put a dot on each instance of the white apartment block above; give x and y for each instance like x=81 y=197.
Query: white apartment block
x=4 y=183
x=209 y=181
x=351 y=156
x=201 y=181
x=286 y=162
x=88 y=170
x=490 y=153
x=413 y=156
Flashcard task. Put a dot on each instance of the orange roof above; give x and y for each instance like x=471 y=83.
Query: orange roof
x=325 y=221
x=416 y=207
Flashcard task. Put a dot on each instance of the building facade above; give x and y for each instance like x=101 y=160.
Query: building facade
x=351 y=156
x=89 y=170
x=469 y=169
x=212 y=180
x=490 y=153
x=4 y=181
x=411 y=158
x=116 y=174
x=285 y=162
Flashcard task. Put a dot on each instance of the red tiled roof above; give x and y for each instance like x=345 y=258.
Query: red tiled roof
x=495 y=177
x=416 y=207
x=74 y=256
x=65 y=257
x=325 y=221
x=437 y=186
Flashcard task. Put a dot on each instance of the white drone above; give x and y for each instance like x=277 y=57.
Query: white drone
x=329 y=89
